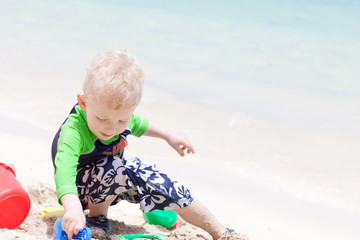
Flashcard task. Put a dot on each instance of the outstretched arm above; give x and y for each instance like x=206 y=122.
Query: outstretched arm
x=176 y=140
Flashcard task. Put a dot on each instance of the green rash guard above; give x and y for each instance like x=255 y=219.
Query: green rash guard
x=75 y=146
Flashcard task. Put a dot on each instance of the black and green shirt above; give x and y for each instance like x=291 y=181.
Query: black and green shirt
x=75 y=146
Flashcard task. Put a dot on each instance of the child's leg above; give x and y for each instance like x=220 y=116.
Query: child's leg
x=98 y=186
x=156 y=191
x=100 y=208
x=198 y=215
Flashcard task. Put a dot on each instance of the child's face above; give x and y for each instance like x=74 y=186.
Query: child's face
x=104 y=121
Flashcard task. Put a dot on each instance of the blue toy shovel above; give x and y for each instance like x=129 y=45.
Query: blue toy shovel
x=60 y=234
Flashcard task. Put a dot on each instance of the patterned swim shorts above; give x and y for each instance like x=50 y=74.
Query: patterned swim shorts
x=131 y=180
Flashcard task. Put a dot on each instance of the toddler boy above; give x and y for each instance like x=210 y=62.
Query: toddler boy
x=88 y=154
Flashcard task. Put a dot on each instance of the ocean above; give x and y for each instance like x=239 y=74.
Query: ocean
x=288 y=62
x=279 y=79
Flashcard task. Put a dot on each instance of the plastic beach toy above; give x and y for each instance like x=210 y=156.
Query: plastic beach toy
x=165 y=218
x=14 y=200
x=56 y=212
x=60 y=234
x=134 y=236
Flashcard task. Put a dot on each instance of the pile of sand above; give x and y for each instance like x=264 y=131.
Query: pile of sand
x=124 y=220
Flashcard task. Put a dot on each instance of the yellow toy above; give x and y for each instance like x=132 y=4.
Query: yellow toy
x=56 y=212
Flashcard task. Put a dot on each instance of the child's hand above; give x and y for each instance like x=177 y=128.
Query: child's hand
x=180 y=143
x=176 y=140
x=74 y=219
x=73 y=223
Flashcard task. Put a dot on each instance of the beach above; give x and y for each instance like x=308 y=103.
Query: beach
x=268 y=206
x=269 y=97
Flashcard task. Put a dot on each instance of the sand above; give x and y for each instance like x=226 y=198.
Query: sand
x=124 y=220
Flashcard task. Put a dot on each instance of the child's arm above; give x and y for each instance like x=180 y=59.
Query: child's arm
x=74 y=218
x=176 y=140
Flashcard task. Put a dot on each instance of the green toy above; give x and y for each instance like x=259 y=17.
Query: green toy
x=134 y=236
x=167 y=219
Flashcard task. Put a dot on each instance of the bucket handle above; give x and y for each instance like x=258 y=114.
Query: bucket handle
x=8 y=168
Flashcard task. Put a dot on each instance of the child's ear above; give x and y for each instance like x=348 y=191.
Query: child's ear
x=81 y=101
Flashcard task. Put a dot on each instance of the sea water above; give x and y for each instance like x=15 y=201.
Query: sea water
x=283 y=75
x=289 y=62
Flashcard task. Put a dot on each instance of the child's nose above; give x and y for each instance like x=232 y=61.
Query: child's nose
x=112 y=127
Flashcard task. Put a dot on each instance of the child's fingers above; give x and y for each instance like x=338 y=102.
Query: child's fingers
x=74 y=229
x=189 y=147
x=71 y=227
x=179 y=150
x=186 y=149
x=77 y=228
x=70 y=231
x=181 y=144
x=66 y=224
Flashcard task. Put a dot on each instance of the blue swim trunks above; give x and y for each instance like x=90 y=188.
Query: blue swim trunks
x=131 y=180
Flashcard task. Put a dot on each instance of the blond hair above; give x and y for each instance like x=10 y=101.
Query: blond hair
x=115 y=77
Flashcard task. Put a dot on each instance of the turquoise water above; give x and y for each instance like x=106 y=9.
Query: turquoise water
x=287 y=62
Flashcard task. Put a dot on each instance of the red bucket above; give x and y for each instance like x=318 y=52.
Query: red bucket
x=14 y=200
